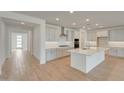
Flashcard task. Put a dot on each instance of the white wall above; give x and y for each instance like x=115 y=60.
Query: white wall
x=39 y=38
x=30 y=41
x=43 y=39
x=13 y=40
x=36 y=42
x=3 y=44
x=25 y=41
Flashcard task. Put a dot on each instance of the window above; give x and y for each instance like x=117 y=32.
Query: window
x=19 y=41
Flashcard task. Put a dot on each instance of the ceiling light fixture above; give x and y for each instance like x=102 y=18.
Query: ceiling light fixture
x=87 y=19
x=22 y=23
x=71 y=12
x=84 y=27
x=101 y=26
x=57 y=19
x=89 y=28
x=73 y=23
x=97 y=24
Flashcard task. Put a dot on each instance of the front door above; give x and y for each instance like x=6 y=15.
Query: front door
x=19 y=42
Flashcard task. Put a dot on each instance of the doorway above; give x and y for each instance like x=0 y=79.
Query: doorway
x=19 y=41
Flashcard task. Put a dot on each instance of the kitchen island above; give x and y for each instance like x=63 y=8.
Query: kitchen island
x=86 y=59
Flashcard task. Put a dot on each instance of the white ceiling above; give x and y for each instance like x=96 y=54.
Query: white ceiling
x=18 y=23
x=103 y=18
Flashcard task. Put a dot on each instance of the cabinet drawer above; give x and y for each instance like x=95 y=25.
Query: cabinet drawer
x=121 y=52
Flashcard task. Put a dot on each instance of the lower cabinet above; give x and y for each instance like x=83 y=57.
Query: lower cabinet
x=113 y=51
x=119 y=52
x=55 y=53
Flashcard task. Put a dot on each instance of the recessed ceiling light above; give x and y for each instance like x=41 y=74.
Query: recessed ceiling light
x=71 y=12
x=87 y=19
x=22 y=23
x=97 y=24
x=74 y=23
x=101 y=26
x=57 y=19
x=89 y=28
x=84 y=27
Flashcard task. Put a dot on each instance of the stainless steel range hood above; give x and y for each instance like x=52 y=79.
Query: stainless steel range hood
x=62 y=32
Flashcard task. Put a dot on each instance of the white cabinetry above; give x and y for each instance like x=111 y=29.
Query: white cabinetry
x=48 y=54
x=121 y=52
x=77 y=34
x=70 y=34
x=52 y=33
x=113 y=51
x=117 y=51
x=55 y=53
x=102 y=34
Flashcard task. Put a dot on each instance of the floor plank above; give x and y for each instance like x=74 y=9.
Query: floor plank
x=21 y=66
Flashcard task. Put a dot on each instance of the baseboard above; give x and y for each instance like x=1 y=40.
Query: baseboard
x=35 y=58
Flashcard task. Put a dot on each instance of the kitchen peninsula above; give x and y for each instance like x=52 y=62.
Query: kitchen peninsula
x=86 y=59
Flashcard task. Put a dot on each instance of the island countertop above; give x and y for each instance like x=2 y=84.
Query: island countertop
x=88 y=51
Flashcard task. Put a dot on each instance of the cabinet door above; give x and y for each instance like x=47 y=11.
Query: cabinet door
x=57 y=35
x=72 y=35
x=102 y=34
x=76 y=34
x=52 y=33
x=113 y=51
x=57 y=53
x=48 y=54
x=69 y=36
x=121 y=52
x=65 y=52
x=53 y=54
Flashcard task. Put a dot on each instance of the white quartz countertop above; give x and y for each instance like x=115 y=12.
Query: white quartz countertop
x=54 y=47
x=87 y=52
x=116 y=47
x=58 y=45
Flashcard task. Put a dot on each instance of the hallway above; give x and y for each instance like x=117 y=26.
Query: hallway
x=21 y=66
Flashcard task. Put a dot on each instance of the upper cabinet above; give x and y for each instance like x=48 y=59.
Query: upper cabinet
x=91 y=35
x=102 y=34
x=70 y=34
x=53 y=33
x=76 y=34
x=117 y=35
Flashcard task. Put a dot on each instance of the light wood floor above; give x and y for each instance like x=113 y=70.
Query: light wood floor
x=21 y=66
